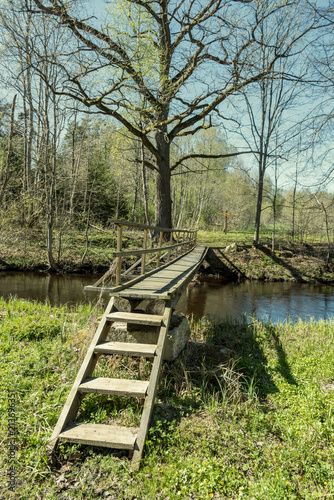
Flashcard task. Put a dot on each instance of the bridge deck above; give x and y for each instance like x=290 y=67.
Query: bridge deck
x=165 y=283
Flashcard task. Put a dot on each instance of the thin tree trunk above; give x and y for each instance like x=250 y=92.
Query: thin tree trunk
x=324 y=210
x=9 y=153
x=87 y=223
x=274 y=205
x=258 y=208
x=49 y=183
x=119 y=192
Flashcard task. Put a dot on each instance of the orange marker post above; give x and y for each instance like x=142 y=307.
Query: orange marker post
x=226 y=215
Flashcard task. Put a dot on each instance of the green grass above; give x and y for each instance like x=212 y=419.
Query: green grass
x=220 y=239
x=260 y=426
x=26 y=249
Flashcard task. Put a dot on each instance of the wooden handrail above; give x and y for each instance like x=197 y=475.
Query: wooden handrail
x=144 y=251
x=188 y=241
x=123 y=222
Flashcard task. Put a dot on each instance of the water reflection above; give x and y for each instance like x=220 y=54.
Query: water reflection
x=58 y=289
x=215 y=297
x=263 y=300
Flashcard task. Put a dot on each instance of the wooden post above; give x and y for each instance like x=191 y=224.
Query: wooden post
x=170 y=250
x=119 y=259
x=226 y=214
x=160 y=244
x=144 y=255
x=177 y=241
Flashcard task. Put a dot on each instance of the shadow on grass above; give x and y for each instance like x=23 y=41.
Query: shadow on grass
x=300 y=278
x=220 y=264
x=292 y=270
x=222 y=369
x=249 y=343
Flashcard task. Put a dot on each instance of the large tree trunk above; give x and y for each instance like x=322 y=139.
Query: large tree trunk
x=163 y=200
x=145 y=187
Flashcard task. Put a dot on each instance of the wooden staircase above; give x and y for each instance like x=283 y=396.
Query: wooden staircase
x=114 y=436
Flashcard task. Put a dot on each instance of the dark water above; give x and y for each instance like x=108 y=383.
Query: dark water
x=58 y=289
x=266 y=301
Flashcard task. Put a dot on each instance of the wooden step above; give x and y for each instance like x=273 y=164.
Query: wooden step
x=108 y=436
x=116 y=386
x=135 y=318
x=126 y=349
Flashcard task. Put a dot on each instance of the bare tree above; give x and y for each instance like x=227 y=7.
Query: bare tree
x=197 y=55
x=269 y=133
x=42 y=111
x=5 y=175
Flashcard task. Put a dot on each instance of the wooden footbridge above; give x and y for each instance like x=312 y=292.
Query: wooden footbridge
x=175 y=266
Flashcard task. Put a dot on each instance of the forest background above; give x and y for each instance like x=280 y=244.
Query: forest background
x=67 y=164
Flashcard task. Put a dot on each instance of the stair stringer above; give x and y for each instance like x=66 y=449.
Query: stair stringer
x=152 y=388
x=74 y=398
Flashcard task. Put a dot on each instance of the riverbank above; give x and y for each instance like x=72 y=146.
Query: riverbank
x=300 y=264
x=259 y=426
x=25 y=250
x=73 y=252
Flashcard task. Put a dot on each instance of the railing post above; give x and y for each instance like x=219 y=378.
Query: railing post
x=159 y=252
x=119 y=259
x=143 y=257
x=170 y=250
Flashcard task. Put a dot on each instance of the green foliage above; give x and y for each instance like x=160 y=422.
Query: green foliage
x=88 y=184
x=28 y=321
x=261 y=429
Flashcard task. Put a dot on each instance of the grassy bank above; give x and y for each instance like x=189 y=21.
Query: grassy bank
x=260 y=426
x=25 y=249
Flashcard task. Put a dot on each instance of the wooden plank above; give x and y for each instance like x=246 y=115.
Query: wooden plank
x=106 y=275
x=170 y=243
x=173 y=269
x=101 y=289
x=142 y=271
x=152 y=288
x=127 y=349
x=74 y=398
x=135 y=318
x=115 y=290
x=159 y=244
x=136 y=264
x=152 y=389
x=119 y=258
x=144 y=295
x=108 y=436
x=116 y=386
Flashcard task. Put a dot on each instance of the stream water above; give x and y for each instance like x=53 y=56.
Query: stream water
x=216 y=297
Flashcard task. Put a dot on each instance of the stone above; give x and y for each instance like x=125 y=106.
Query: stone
x=177 y=336
x=122 y=304
x=155 y=307
x=231 y=248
